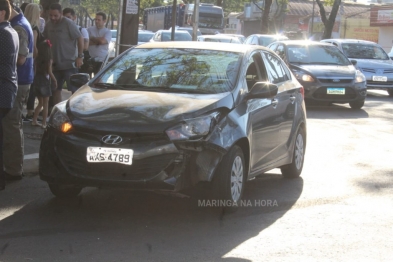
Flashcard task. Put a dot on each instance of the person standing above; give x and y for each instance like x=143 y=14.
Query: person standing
x=13 y=144
x=70 y=14
x=100 y=37
x=8 y=76
x=67 y=49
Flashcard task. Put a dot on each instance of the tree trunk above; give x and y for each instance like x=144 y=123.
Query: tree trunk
x=265 y=17
x=328 y=23
x=219 y=2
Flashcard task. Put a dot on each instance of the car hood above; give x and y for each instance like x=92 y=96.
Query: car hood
x=139 y=111
x=327 y=70
x=374 y=63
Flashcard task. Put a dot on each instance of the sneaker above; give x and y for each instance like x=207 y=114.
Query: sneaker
x=27 y=118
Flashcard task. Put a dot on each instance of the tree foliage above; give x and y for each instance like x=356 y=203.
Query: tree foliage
x=328 y=22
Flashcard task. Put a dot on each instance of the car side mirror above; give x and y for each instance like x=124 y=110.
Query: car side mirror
x=79 y=80
x=263 y=90
x=354 y=62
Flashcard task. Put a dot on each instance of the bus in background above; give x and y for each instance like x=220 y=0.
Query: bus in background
x=211 y=17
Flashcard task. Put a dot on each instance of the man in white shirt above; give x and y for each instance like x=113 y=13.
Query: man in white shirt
x=100 y=37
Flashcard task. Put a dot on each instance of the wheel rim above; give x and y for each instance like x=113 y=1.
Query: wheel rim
x=237 y=178
x=299 y=149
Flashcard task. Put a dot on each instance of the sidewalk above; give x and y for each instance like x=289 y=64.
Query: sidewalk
x=32 y=136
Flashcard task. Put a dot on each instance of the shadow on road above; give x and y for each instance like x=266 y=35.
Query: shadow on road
x=145 y=224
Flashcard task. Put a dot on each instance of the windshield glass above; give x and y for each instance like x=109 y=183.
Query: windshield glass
x=172 y=70
x=145 y=37
x=313 y=54
x=210 y=22
x=267 y=40
x=364 y=51
x=179 y=36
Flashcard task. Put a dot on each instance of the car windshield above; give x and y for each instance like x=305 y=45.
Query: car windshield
x=179 y=36
x=145 y=37
x=267 y=40
x=172 y=70
x=364 y=51
x=222 y=40
x=314 y=54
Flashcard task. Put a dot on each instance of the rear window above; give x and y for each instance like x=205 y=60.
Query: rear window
x=364 y=51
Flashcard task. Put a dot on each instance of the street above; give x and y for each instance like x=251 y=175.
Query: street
x=339 y=210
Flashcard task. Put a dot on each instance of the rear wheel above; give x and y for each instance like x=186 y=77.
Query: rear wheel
x=294 y=169
x=228 y=184
x=356 y=104
x=63 y=191
x=390 y=92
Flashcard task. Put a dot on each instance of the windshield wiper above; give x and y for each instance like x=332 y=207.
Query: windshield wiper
x=177 y=90
x=109 y=86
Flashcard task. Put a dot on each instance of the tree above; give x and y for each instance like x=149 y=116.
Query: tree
x=328 y=22
x=267 y=15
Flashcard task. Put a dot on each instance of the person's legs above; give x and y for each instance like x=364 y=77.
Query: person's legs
x=44 y=110
x=13 y=142
x=37 y=111
x=56 y=93
x=30 y=102
x=3 y=113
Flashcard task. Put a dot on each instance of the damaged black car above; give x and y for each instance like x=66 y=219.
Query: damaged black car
x=176 y=115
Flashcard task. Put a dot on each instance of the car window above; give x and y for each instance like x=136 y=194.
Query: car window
x=173 y=70
x=316 y=54
x=275 y=69
x=273 y=47
x=256 y=71
x=144 y=37
x=364 y=51
x=280 y=51
x=248 y=40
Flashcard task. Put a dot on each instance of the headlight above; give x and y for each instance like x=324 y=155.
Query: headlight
x=359 y=77
x=59 y=119
x=300 y=75
x=193 y=128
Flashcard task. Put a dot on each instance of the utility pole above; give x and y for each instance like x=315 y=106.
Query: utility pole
x=195 y=23
x=128 y=25
x=174 y=15
x=312 y=18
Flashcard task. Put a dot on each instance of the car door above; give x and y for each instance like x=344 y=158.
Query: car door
x=279 y=74
x=262 y=118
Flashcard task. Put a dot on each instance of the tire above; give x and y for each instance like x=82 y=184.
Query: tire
x=229 y=181
x=294 y=169
x=62 y=191
x=390 y=92
x=356 y=104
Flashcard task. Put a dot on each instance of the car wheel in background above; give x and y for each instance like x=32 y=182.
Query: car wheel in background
x=228 y=183
x=294 y=169
x=390 y=91
x=356 y=104
x=63 y=191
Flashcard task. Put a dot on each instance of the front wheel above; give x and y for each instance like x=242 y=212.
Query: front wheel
x=356 y=104
x=294 y=169
x=228 y=183
x=390 y=92
x=63 y=191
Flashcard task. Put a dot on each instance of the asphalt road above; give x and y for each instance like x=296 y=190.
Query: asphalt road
x=339 y=210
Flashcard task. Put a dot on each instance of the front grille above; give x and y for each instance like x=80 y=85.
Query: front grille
x=335 y=81
x=321 y=93
x=73 y=157
x=388 y=71
x=368 y=70
x=379 y=83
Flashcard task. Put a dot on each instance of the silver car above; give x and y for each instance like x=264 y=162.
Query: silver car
x=371 y=59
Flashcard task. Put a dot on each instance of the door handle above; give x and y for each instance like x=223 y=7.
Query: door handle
x=274 y=102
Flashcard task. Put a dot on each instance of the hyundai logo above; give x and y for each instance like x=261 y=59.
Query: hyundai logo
x=112 y=139
x=336 y=80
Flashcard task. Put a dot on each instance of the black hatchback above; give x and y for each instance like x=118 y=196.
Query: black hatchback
x=325 y=72
x=173 y=115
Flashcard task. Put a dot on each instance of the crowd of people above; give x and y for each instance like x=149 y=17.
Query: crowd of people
x=37 y=58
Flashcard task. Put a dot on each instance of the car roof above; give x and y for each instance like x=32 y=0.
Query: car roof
x=176 y=31
x=351 y=41
x=302 y=42
x=204 y=45
x=218 y=36
x=276 y=36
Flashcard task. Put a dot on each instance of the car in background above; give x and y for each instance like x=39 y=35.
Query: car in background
x=190 y=30
x=219 y=38
x=325 y=72
x=263 y=40
x=371 y=59
x=143 y=36
x=175 y=115
x=240 y=37
x=165 y=35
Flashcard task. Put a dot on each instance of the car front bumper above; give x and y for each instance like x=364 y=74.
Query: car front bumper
x=319 y=92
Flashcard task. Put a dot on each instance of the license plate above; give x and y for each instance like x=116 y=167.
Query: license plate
x=335 y=91
x=380 y=78
x=108 y=154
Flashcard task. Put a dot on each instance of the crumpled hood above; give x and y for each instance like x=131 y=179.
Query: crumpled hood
x=138 y=110
x=327 y=70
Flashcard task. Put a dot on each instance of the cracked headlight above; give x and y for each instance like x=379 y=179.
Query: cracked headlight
x=359 y=77
x=193 y=128
x=59 y=119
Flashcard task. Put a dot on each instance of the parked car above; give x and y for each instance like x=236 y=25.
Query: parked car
x=188 y=29
x=371 y=59
x=174 y=115
x=165 y=35
x=143 y=36
x=263 y=40
x=219 y=38
x=325 y=73
x=240 y=37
